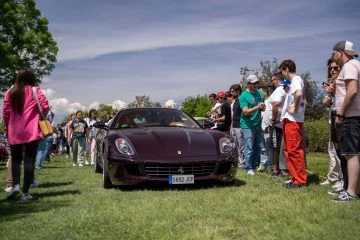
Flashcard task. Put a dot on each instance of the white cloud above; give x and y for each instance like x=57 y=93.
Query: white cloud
x=49 y=93
x=94 y=105
x=170 y=103
x=119 y=104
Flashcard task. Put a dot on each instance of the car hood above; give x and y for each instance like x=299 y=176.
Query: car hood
x=172 y=142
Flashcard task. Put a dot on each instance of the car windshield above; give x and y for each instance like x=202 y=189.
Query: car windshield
x=153 y=117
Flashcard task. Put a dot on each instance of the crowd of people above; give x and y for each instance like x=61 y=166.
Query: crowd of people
x=266 y=126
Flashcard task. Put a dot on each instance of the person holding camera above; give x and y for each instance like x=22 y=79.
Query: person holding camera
x=334 y=174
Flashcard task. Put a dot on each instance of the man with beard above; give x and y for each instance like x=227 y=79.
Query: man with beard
x=348 y=115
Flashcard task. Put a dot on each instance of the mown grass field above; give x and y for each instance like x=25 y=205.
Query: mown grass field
x=71 y=204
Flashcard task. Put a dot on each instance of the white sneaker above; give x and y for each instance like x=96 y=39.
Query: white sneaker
x=80 y=165
x=338 y=184
x=326 y=182
x=92 y=163
x=250 y=172
x=86 y=163
x=288 y=181
x=34 y=185
x=14 y=191
x=74 y=165
x=261 y=169
x=8 y=189
x=25 y=197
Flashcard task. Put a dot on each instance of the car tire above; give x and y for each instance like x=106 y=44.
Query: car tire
x=106 y=177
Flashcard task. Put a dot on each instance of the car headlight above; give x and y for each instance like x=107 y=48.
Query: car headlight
x=124 y=147
x=226 y=146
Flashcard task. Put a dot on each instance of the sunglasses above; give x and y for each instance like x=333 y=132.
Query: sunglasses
x=257 y=83
x=334 y=68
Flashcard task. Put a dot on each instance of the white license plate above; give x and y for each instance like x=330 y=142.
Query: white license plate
x=181 y=179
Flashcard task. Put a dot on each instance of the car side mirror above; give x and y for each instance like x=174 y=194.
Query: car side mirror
x=101 y=125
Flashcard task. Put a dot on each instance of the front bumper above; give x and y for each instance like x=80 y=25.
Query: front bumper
x=125 y=172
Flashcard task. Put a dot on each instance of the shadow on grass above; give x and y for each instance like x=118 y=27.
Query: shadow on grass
x=13 y=210
x=55 y=193
x=54 y=184
x=313 y=178
x=166 y=187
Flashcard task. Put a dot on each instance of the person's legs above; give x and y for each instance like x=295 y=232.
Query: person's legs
x=48 y=143
x=74 y=148
x=81 y=151
x=93 y=146
x=334 y=173
x=248 y=149
x=353 y=174
x=238 y=138
x=40 y=154
x=16 y=154
x=29 y=160
x=263 y=140
x=294 y=152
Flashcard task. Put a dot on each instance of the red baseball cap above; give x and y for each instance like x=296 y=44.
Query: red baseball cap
x=221 y=94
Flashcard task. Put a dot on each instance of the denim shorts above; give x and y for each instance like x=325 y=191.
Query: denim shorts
x=349 y=135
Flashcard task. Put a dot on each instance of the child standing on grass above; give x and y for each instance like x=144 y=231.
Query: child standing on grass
x=77 y=138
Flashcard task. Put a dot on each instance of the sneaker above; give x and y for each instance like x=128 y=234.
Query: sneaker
x=80 y=165
x=74 y=165
x=34 y=185
x=86 y=163
x=292 y=185
x=287 y=181
x=345 y=197
x=336 y=192
x=338 y=184
x=261 y=169
x=8 y=189
x=14 y=191
x=92 y=163
x=326 y=182
x=25 y=197
x=250 y=172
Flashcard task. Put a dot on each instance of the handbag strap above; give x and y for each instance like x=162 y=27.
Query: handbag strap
x=38 y=103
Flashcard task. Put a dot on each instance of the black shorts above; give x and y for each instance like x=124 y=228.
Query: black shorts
x=276 y=137
x=349 y=136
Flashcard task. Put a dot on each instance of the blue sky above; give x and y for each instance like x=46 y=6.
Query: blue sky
x=110 y=51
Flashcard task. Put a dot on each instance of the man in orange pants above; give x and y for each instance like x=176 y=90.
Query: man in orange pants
x=293 y=118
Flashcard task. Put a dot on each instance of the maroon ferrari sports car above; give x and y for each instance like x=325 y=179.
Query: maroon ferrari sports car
x=161 y=145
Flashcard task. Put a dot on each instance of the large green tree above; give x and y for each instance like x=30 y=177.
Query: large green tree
x=196 y=106
x=143 y=101
x=25 y=42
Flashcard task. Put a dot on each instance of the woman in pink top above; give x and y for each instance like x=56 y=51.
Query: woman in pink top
x=21 y=117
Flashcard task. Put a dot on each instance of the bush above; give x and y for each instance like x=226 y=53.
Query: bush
x=317 y=135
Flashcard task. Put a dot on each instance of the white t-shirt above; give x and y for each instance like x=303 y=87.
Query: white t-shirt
x=278 y=95
x=350 y=70
x=93 y=130
x=266 y=115
x=296 y=84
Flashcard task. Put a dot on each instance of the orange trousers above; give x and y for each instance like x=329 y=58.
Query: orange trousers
x=294 y=153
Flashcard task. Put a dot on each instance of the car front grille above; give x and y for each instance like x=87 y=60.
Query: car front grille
x=164 y=170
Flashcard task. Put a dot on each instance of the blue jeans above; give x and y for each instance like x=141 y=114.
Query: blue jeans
x=254 y=144
x=40 y=154
x=48 y=143
x=267 y=159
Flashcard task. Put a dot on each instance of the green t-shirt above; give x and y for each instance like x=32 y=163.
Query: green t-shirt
x=250 y=100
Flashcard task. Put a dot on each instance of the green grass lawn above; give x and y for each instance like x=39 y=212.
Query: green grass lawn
x=71 y=204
